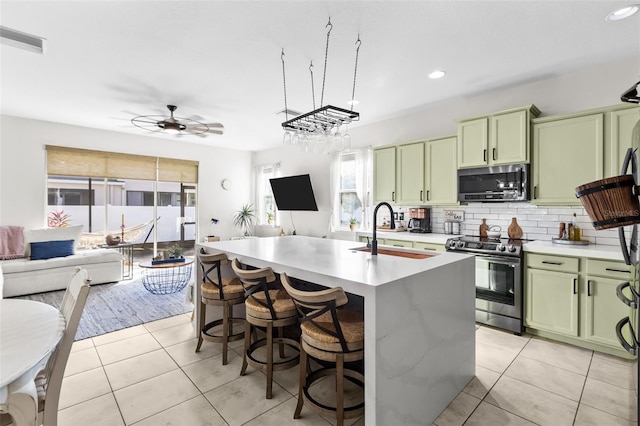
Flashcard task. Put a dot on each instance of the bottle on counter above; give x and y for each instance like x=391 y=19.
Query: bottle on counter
x=514 y=231
x=484 y=228
x=576 y=234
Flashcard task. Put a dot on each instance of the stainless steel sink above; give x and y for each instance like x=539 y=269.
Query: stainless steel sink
x=392 y=252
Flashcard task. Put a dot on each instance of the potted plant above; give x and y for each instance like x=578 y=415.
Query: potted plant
x=270 y=218
x=175 y=251
x=353 y=223
x=244 y=218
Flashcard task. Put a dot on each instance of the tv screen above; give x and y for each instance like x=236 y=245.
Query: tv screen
x=293 y=193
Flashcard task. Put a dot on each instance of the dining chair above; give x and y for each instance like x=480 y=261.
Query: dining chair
x=49 y=380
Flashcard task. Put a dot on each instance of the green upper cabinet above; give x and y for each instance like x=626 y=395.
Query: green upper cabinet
x=499 y=138
x=620 y=125
x=410 y=173
x=441 y=184
x=473 y=139
x=384 y=174
x=567 y=153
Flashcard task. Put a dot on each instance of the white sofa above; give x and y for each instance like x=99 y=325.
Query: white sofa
x=25 y=276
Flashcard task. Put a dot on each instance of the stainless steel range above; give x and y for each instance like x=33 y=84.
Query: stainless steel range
x=499 y=279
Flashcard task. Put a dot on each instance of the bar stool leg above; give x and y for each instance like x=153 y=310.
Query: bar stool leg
x=247 y=344
x=269 y=359
x=201 y=321
x=281 y=345
x=340 y=389
x=301 y=381
x=225 y=332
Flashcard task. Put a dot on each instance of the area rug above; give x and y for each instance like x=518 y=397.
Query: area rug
x=115 y=306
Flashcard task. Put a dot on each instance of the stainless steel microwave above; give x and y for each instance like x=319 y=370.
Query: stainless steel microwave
x=496 y=183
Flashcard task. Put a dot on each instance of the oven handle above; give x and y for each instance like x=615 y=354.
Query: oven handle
x=511 y=261
x=631 y=348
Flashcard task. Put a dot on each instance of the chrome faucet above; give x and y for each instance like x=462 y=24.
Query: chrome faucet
x=374 y=242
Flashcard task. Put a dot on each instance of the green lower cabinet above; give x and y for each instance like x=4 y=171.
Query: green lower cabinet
x=602 y=311
x=428 y=246
x=551 y=301
x=397 y=243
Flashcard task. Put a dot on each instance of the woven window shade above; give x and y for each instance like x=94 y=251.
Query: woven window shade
x=64 y=161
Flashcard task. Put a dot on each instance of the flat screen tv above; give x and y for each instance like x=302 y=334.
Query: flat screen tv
x=294 y=193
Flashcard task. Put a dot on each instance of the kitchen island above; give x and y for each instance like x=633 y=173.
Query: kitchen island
x=419 y=317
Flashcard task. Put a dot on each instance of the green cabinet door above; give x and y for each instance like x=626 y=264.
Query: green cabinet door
x=621 y=125
x=603 y=310
x=509 y=138
x=473 y=143
x=398 y=243
x=428 y=246
x=384 y=174
x=441 y=171
x=567 y=153
x=551 y=301
x=410 y=174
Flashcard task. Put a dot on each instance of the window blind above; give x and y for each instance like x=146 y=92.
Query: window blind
x=65 y=161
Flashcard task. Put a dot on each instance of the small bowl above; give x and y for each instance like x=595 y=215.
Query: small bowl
x=493 y=234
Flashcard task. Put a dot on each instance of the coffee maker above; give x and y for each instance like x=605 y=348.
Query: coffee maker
x=420 y=220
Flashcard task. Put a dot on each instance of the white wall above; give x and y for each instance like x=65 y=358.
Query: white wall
x=294 y=161
x=590 y=88
x=23 y=193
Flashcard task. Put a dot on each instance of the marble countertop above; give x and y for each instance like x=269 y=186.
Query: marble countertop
x=319 y=260
x=594 y=251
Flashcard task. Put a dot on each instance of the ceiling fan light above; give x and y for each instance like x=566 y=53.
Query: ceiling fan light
x=171 y=128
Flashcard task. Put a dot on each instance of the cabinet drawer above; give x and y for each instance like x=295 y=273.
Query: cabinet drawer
x=397 y=243
x=428 y=246
x=552 y=263
x=609 y=269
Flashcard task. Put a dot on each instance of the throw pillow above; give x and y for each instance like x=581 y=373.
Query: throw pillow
x=51 y=249
x=51 y=234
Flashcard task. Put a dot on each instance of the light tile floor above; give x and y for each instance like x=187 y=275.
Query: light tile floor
x=150 y=375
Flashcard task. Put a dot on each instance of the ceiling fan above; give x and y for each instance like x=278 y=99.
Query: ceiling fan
x=176 y=125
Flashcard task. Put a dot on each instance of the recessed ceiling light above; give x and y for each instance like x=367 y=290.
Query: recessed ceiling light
x=437 y=74
x=623 y=13
x=353 y=102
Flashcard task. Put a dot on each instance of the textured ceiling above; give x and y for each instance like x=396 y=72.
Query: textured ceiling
x=108 y=61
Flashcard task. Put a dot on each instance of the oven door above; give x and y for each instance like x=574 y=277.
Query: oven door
x=499 y=285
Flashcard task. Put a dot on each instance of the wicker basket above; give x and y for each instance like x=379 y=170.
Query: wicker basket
x=611 y=202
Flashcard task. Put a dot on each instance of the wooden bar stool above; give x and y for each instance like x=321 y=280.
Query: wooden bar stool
x=330 y=335
x=267 y=307
x=218 y=291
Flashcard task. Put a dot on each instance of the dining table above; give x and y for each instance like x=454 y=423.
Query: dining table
x=29 y=333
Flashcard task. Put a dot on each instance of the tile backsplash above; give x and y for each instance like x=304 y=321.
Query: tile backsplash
x=537 y=222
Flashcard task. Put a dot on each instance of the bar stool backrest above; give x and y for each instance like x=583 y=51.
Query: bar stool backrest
x=256 y=281
x=210 y=262
x=313 y=304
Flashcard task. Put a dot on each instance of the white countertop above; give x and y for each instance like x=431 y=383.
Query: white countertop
x=328 y=258
x=593 y=251
x=410 y=236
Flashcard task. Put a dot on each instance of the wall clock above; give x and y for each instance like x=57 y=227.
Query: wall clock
x=226 y=184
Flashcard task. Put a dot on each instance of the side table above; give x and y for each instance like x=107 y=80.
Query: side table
x=166 y=278
x=126 y=250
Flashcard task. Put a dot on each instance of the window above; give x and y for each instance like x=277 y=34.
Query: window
x=351 y=187
x=265 y=203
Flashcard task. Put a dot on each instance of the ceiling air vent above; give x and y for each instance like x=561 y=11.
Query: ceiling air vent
x=21 y=40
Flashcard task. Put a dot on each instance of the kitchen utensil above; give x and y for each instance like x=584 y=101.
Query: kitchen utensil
x=494 y=231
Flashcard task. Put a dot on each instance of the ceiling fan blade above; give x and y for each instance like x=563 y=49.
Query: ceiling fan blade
x=215 y=132
x=145 y=120
x=220 y=125
x=193 y=132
